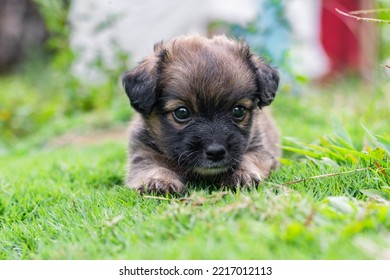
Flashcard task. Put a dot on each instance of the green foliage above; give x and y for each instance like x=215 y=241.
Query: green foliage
x=45 y=91
x=339 y=150
x=55 y=15
x=32 y=103
x=339 y=153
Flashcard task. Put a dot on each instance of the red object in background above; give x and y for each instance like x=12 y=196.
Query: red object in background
x=340 y=35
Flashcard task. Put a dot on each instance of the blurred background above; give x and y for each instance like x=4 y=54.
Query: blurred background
x=60 y=61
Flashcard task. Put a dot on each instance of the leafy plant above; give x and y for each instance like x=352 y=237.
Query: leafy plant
x=338 y=152
x=268 y=34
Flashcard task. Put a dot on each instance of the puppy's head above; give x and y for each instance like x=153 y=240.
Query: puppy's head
x=198 y=98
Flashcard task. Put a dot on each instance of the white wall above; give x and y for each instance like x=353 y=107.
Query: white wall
x=307 y=55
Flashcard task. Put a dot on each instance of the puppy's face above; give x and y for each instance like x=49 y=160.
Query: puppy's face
x=198 y=98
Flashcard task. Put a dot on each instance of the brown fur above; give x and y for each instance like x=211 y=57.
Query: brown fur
x=199 y=73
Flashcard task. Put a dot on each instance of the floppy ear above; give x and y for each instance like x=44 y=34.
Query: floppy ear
x=267 y=79
x=140 y=84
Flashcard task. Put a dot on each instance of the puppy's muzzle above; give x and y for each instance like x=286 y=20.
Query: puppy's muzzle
x=215 y=155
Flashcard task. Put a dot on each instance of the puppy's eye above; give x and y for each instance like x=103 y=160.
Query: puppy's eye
x=182 y=114
x=239 y=112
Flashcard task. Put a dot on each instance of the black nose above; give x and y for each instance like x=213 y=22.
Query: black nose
x=215 y=152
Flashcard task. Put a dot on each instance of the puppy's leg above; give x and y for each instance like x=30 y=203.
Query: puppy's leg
x=148 y=176
x=255 y=167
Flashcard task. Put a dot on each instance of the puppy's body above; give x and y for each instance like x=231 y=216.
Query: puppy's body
x=200 y=116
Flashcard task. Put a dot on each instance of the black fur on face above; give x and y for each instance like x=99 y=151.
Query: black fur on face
x=212 y=142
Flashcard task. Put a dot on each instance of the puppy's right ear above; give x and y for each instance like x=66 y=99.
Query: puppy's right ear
x=140 y=84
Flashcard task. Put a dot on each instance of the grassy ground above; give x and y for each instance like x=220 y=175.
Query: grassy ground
x=68 y=201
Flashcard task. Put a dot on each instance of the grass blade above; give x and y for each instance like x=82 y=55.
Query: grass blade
x=302 y=152
x=342 y=134
x=381 y=141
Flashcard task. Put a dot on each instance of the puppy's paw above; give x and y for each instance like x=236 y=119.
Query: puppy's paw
x=254 y=169
x=156 y=180
x=243 y=178
x=161 y=187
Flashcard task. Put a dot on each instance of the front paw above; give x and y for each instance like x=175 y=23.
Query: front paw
x=161 y=187
x=243 y=178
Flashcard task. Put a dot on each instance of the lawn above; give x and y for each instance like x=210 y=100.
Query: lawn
x=329 y=199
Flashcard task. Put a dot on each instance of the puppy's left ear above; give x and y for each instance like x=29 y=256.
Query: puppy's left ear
x=267 y=79
x=140 y=84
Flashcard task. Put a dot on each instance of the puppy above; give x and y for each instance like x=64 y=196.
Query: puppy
x=200 y=116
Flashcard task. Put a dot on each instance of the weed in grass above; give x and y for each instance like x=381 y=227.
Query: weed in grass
x=338 y=151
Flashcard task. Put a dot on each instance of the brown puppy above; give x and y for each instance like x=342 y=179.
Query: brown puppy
x=200 y=117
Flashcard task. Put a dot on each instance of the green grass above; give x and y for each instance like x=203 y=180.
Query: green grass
x=69 y=202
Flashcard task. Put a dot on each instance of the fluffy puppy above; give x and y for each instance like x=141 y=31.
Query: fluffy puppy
x=200 y=116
